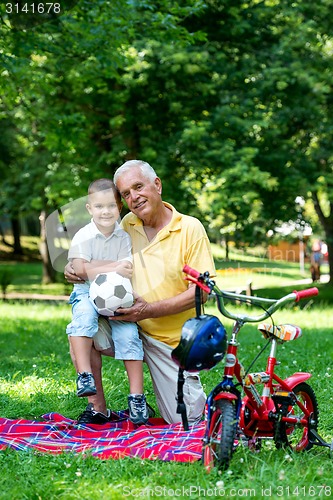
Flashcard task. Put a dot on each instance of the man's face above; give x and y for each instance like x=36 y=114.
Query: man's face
x=142 y=195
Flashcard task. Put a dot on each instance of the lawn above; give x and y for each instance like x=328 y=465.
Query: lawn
x=37 y=377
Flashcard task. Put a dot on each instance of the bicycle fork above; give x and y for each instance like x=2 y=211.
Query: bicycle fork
x=226 y=389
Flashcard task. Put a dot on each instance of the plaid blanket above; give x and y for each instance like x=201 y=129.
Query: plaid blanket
x=117 y=439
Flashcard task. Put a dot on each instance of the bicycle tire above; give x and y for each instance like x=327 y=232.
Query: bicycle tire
x=296 y=436
x=217 y=452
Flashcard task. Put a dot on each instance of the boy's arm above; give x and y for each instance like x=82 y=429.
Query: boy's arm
x=89 y=270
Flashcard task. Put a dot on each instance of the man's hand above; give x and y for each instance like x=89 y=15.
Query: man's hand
x=70 y=275
x=140 y=310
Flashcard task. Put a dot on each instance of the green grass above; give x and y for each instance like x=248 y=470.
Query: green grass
x=27 y=278
x=37 y=377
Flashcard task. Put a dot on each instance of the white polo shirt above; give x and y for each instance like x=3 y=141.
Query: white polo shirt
x=90 y=244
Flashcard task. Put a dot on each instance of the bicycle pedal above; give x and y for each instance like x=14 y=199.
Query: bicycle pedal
x=284 y=398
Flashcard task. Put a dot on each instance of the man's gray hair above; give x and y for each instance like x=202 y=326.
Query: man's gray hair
x=145 y=168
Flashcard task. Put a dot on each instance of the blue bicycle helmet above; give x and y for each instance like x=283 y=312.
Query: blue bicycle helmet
x=202 y=345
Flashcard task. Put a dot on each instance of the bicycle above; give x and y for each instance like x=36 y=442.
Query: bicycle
x=286 y=411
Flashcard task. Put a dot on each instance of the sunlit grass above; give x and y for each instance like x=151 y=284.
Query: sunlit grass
x=36 y=377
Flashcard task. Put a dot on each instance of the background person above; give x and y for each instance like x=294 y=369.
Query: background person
x=316 y=259
x=163 y=241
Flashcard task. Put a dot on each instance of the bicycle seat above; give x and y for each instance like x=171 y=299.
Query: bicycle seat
x=284 y=333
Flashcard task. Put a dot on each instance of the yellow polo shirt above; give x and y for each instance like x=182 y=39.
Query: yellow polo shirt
x=158 y=267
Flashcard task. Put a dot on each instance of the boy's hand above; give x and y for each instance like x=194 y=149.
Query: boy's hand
x=124 y=268
x=70 y=275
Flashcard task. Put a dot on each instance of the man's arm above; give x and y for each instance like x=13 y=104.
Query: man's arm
x=143 y=310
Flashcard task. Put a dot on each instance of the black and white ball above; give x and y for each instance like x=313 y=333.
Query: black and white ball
x=109 y=292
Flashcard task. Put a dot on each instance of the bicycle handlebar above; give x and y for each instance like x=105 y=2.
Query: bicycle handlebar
x=208 y=285
x=190 y=271
x=304 y=294
x=194 y=278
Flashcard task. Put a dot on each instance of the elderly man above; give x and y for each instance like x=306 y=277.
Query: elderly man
x=163 y=241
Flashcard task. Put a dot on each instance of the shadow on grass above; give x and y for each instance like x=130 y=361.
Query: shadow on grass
x=323 y=299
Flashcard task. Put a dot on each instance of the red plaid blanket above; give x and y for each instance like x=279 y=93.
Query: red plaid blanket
x=57 y=434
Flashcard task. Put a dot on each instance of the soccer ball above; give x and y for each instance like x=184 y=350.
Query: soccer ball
x=109 y=291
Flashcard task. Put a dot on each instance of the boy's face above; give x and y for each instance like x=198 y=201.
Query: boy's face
x=104 y=210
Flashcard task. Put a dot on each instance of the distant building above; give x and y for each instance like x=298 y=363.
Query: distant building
x=285 y=250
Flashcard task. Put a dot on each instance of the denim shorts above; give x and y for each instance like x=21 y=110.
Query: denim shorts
x=125 y=336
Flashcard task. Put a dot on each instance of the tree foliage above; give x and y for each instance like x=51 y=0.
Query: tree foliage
x=230 y=102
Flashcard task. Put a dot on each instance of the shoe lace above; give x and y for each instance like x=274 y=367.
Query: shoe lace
x=137 y=404
x=86 y=378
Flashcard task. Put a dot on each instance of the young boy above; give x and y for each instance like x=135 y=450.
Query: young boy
x=102 y=246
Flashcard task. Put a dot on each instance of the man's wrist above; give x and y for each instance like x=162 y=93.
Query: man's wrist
x=146 y=311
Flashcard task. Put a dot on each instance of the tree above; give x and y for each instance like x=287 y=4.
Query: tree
x=231 y=103
x=272 y=61
x=63 y=92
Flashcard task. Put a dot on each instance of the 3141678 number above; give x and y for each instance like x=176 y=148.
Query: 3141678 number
x=33 y=8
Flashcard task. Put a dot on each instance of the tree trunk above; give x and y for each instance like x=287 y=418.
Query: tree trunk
x=226 y=247
x=48 y=271
x=329 y=242
x=327 y=224
x=16 y=229
x=3 y=238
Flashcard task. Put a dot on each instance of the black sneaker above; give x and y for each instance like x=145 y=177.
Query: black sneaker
x=90 y=416
x=138 y=411
x=151 y=411
x=85 y=385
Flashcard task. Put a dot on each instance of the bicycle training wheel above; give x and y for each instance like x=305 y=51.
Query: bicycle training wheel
x=296 y=435
x=222 y=431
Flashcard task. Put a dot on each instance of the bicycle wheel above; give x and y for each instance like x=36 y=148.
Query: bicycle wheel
x=296 y=436
x=222 y=431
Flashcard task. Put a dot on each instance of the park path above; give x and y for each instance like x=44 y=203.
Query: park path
x=36 y=296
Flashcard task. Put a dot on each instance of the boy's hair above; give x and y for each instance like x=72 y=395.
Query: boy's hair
x=103 y=184
x=146 y=169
